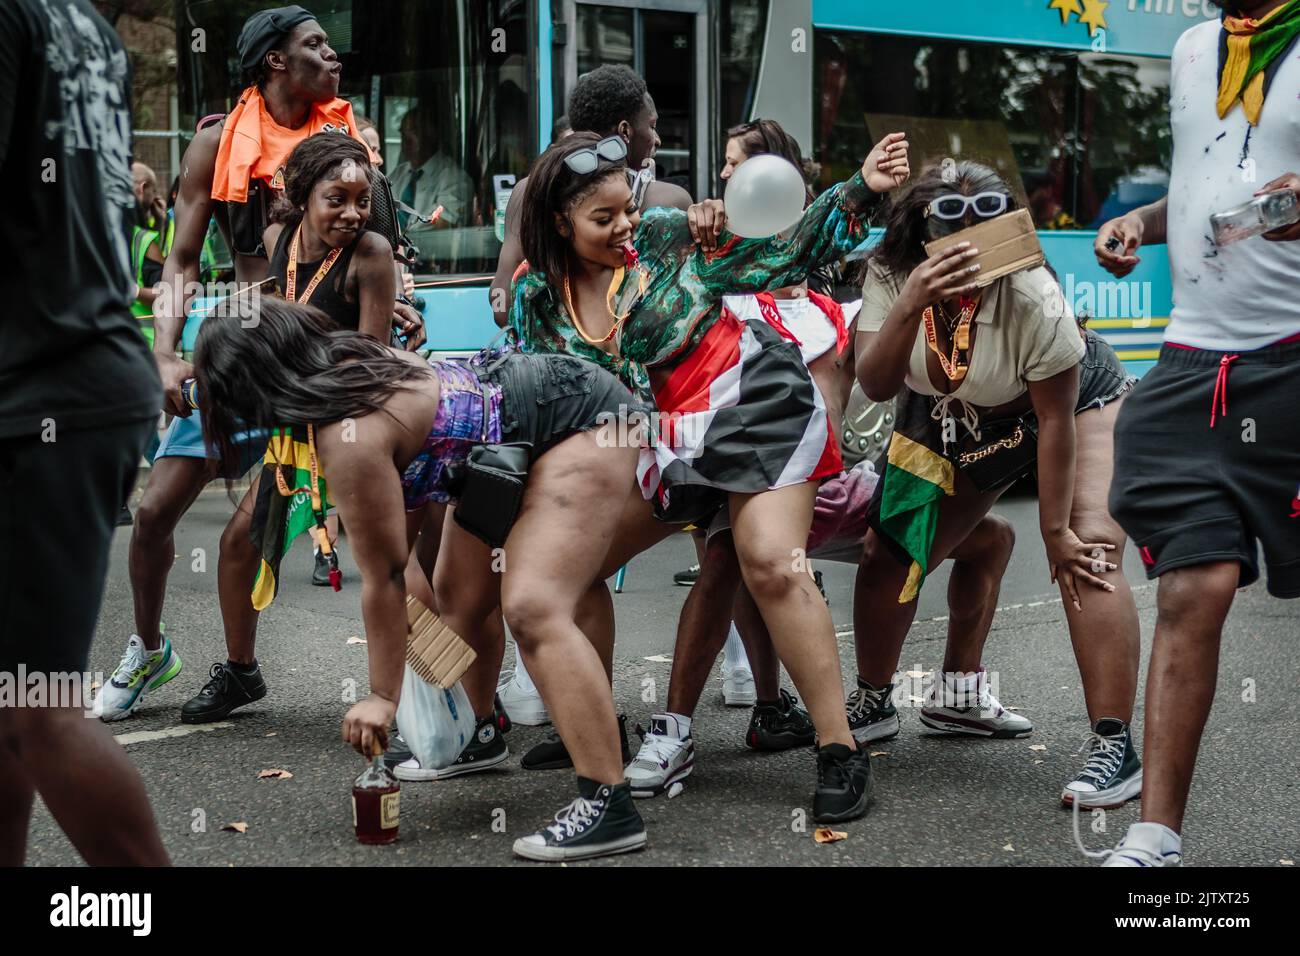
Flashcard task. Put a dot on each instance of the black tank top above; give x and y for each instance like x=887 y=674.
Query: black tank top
x=329 y=294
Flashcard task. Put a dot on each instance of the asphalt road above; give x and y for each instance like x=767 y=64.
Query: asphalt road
x=939 y=801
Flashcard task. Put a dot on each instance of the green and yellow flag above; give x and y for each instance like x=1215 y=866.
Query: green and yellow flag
x=916 y=480
x=284 y=507
x=1250 y=52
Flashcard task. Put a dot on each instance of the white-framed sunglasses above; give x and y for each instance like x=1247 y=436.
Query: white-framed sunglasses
x=953 y=206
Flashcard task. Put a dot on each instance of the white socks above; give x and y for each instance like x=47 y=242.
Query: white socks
x=733 y=653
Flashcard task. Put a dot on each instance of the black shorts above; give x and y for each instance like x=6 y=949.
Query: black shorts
x=59 y=503
x=1189 y=494
x=547 y=398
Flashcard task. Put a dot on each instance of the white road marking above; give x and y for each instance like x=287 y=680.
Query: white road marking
x=184 y=730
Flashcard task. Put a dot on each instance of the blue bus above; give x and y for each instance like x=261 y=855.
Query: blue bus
x=1067 y=98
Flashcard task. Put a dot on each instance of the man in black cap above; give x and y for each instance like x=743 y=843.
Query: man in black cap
x=232 y=170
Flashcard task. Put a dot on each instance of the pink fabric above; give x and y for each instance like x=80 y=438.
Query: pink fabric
x=840 y=514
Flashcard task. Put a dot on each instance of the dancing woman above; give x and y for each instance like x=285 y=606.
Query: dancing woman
x=980 y=371
x=745 y=424
x=386 y=426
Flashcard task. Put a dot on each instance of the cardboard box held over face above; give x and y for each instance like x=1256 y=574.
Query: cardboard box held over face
x=1006 y=244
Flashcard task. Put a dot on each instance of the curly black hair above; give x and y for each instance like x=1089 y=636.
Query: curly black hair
x=605 y=97
x=312 y=160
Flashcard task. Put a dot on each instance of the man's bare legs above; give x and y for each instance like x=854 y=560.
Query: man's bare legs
x=174 y=484
x=236 y=569
x=84 y=777
x=1192 y=604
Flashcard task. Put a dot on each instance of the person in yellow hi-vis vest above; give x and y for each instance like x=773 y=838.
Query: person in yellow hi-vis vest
x=146 y=246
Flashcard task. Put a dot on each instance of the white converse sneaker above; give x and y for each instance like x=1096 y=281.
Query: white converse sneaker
x=1146 y=844
x=524 y=706
x=140 y=671
x=667 y=756
x=962 y=704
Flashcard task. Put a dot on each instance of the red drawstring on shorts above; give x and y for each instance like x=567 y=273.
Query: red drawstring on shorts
x=1219 y=403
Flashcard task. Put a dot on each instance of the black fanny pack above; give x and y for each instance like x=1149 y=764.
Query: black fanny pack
x=489 y=486
x=1006 y=450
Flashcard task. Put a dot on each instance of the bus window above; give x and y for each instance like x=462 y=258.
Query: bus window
x=1077 y=135
x=452 y=114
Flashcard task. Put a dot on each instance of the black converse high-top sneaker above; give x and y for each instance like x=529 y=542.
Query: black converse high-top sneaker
x=1113 y=773
x=871 y=712
x=602 y=821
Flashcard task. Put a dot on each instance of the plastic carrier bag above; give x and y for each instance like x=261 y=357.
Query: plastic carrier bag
x=436 y=724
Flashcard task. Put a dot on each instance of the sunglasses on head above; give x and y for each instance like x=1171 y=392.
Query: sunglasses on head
x=954 y=206
x=611 y=149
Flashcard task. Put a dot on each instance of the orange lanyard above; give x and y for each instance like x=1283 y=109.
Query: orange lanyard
x=955 y=365
x=291 y=273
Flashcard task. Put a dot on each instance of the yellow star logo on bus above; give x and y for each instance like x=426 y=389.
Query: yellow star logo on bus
x=1066 y=7
x=1094 y=15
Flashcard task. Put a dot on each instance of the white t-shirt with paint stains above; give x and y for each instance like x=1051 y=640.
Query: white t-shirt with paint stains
x=1244 y=295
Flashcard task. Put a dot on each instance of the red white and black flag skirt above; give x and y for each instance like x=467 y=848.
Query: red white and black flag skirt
x=740 y=414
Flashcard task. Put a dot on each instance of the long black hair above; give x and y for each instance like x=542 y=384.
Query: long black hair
x=554 y=189
x=320 y=156
x=285 y=365
x=764 y=136
x=907 y=227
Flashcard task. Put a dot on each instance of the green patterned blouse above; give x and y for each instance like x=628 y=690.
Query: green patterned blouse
x=683 y=298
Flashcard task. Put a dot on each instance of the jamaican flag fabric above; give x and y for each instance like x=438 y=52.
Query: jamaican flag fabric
x=1250 y=53
x=916 y=479
x=279 y=518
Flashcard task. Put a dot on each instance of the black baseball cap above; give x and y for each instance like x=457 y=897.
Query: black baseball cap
x=264 y=29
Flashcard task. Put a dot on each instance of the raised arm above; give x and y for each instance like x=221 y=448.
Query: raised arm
x=194 y=205
x=833 y=226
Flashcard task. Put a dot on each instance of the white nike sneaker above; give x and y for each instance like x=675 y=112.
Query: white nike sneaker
x=963 y=704
x=523 y=706
x=738 y=688
x=1146 y=844
x=664 y=758
x=139 y=672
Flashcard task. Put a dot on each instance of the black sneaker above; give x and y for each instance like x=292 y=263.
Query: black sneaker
x=398 y=751
x=687 y=577
x=551 y=754
x=601 y=822
x=229 y=686
x=1113 y=774
x=821 y=586
x=485 y=751
x=320 y=574
x=871 y=712
x=843 y=784
x=780 y=726
x=124 y=518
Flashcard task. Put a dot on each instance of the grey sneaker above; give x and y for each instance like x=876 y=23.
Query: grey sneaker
x=968 y=707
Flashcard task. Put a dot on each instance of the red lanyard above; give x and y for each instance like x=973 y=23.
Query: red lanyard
x=291 y=273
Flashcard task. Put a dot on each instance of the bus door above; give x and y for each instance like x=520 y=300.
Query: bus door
x=666 y=41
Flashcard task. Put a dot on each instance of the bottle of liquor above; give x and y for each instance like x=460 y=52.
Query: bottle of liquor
x=376 y=802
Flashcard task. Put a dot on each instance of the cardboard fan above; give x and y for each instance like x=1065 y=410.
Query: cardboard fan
x=436 y=653
x=1006 y=244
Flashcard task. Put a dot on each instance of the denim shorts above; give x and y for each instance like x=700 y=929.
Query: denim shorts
x=547 y=398
x=1102 y=377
